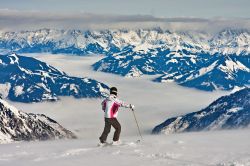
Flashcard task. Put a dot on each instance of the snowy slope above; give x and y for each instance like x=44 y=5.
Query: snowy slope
x=199 y=149
x=19 y=126
x=26 y=79
x=227 y=112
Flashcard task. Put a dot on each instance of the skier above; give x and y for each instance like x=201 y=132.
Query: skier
x=110 y=107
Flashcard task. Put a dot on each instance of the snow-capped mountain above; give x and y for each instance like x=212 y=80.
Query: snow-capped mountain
x=19 y=126
x=217 y=72
x=231 y=41
x=192 y=59
x=202 y=71
x=228 y=41
x=227 y=112
x=26 y=79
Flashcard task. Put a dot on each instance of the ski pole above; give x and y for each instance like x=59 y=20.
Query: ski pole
x=137 y=123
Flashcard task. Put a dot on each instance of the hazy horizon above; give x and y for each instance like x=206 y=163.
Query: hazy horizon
x=12 y=20
x=159 y=8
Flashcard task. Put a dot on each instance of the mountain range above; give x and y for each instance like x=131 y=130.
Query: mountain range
x=80 y=42
x=16 y=125
x=26 y=79
x=195 y=59
x=227 y=112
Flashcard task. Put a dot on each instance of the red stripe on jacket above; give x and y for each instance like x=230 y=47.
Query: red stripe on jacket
x=114 y=109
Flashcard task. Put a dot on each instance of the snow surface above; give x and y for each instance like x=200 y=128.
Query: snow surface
x=18 y=90
x=4 y=89
x=154 y=103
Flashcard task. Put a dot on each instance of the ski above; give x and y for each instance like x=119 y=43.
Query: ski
x=108 y=144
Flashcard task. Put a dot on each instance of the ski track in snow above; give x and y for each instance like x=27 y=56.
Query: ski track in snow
x=154 y=103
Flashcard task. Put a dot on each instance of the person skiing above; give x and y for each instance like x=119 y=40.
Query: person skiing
x=110 y=107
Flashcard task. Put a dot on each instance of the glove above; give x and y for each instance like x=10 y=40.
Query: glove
x=131 y=106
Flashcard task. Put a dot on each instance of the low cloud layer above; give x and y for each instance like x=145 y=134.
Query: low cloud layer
x=11 y=20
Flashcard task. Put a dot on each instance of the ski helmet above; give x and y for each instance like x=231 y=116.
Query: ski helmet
x=113 y=90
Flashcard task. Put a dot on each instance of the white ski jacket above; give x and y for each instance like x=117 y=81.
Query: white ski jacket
x=111 y=105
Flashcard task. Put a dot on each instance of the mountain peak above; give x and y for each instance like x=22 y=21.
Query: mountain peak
x=20 y=126
x=227 y=112
x=26 y=79
x=233 y=31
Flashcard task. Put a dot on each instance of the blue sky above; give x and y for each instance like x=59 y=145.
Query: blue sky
x=157 y=8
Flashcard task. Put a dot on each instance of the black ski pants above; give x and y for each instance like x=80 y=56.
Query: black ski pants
x=108 y=123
